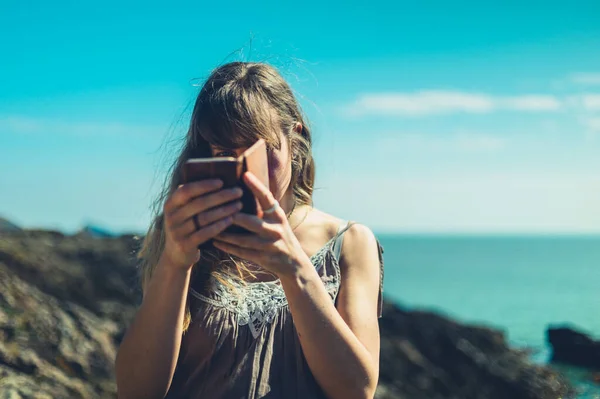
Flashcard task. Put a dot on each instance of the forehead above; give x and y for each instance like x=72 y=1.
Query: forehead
x=273 y=139
x=228 y=127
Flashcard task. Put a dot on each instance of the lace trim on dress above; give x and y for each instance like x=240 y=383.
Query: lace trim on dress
x=257 y=303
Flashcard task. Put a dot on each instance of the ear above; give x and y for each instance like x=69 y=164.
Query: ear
x=298 y=127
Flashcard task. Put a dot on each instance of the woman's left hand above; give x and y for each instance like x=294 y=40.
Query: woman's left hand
x=273 y=246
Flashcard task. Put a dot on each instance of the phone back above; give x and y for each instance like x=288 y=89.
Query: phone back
x=226 y=169
x=230 y=171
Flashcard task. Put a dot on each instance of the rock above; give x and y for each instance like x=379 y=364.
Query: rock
x=59 y=323
x=96 y=232
x=425 y=355
x=6 y=226
x=573 y=347
x=65 y=302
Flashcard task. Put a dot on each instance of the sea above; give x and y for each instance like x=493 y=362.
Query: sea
x=519 y=284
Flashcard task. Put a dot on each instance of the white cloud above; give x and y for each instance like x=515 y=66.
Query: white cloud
x=591 y=102
x=588 y=102
x=585 y=78
x=18 y=124
x=479 y=142
x=430 y=102
x=592 y=124
x=460 y=141
x=530 y=103
x=422 y=103
x=494 y=203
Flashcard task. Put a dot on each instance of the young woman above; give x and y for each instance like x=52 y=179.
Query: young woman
x=289 y=311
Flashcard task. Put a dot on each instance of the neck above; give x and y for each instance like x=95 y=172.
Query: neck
x=287 y=201
x=296 y=213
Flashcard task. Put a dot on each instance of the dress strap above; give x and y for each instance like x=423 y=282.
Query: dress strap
x=337 y=249
x=339 y=239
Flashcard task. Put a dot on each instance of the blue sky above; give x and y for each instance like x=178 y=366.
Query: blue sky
x=436 y=117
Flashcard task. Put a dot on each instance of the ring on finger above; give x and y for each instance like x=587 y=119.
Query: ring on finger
x=196 y=222
x=272 y=209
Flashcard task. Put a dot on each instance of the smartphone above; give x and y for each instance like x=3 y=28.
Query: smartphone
x=230 y=170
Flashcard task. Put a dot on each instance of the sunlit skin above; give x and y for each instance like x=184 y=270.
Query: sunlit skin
x=280 y=169
x=344 y=332
x=330 y=334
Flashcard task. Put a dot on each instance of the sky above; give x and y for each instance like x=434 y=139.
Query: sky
x=428 y=117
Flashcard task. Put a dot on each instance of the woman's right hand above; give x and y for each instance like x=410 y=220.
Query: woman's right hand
x=205 y=199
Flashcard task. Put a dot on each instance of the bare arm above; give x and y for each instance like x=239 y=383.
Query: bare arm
x=147 y=356
x=341 y=345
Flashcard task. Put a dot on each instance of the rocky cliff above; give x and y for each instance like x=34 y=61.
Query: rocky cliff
x=65 y=302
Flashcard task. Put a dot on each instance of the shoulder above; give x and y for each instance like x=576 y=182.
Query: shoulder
x=360 y=248
x=325 y=221
x=317 y=228
x=359 y=240
x=325 y=224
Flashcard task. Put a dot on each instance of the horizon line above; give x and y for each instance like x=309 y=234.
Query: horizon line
x=377 y=232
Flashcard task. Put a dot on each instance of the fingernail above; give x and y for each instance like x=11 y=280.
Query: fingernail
x=239 y=205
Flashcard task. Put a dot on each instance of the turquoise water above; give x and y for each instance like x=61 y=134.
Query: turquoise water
x=517 y=284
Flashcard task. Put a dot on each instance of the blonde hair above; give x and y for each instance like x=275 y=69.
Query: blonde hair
x=239 y=103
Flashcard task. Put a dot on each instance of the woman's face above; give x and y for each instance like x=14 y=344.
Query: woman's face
x=280 y=165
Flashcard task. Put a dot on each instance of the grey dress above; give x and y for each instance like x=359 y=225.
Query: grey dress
x=246 y=345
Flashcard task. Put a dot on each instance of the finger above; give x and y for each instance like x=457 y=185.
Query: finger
x=250 y=241
x=256 y=225
x=244 y=253
x=262 y=193
x=208 y=217
x=204 y=203
x=186 y=192
x=208 y=232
